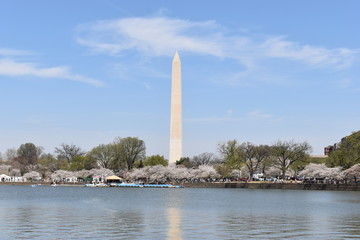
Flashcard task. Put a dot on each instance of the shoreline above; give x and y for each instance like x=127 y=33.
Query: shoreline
x=40 y=183
x=285 y=186
x=250 y=185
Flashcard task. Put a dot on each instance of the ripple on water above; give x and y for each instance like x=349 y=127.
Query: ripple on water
x=78 y=213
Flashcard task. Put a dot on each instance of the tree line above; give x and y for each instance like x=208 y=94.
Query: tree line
x=289 y=158
x=281 y=159
x=120 y=155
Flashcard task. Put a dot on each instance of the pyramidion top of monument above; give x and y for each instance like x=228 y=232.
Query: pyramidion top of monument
x=176 y=57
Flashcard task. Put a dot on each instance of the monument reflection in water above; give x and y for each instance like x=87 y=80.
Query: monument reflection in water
x=174 y=202
x=174 y=219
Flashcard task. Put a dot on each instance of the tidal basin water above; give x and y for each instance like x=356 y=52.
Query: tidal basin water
x=146 y=213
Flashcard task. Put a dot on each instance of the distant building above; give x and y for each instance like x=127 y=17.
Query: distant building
x=328 y=150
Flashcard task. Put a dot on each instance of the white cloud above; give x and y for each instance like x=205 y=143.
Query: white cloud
x=250 y=116
x=316 y=56
x=259 y=115
x=161 y=36
x=153 y=36
x=13 y=52
x=10 y=67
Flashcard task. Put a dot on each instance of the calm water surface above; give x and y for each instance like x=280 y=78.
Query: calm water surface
x=136 y=213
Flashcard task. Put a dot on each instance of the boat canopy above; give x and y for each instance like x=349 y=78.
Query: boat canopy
x=113 y=179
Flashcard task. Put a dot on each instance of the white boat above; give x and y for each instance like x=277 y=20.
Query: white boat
x=90 y=185
x=136 y=185
x=96 y=185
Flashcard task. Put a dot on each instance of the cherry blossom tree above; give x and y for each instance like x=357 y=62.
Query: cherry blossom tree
x=32 y=175
x=5 y=169
x=276 y=172
x=82 y=174
x=161 y=173
x=60 y=175
x=206 y=171
x=15 y=172
x=313 y=170
x=352 y=173
x=104 y=172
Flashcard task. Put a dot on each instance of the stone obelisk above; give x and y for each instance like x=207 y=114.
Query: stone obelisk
x=176 y=112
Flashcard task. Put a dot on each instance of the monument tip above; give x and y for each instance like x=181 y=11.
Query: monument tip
x=176 y=57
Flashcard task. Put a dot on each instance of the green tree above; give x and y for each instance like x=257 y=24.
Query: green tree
x=69 y=151
x=286 y=153
x=224 y=170
x=104 y=154
x=127 y=152
x=245 y=154
x=155 y=160
x=348 y=153
x=82 y=162
x=139 y=164
x=48 y=163
x=254 y=156
x=231 y=153
x=184 y=161
x=29 y=153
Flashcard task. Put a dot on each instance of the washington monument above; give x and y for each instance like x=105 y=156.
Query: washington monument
x=176 y=112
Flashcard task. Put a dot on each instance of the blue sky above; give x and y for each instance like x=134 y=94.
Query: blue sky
x=85 y=72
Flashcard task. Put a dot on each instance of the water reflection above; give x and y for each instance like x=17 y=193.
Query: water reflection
x=79 y=213
x=282 y=227
x=78 y=220
x=174 y=218
x=174 y=202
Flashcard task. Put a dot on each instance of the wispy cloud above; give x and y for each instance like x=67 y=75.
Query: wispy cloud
x=161 y=36
x=157 y=36
x=278 y=47
x=10 y=67
x=14 y=52
x=253 y=115
x=259 y=115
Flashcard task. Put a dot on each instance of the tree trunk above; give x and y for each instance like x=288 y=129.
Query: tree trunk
x=283 y=170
